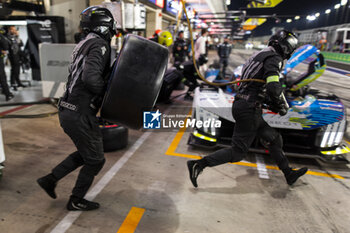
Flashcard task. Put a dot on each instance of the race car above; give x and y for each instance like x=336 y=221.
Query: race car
x=313 y=127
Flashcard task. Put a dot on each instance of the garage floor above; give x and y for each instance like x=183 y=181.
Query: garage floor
x=145 y=188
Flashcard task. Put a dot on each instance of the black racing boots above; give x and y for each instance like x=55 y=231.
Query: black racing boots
x=194 y=169
x=9 y=96
x=81 y=204
x=293 y=175
x=48 y=183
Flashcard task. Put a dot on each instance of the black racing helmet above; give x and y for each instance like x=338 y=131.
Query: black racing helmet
x=99 y=20
x=285 y=42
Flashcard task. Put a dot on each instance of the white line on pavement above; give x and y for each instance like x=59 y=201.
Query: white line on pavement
x=68 y=220
x=2 y=152
x=263 y=174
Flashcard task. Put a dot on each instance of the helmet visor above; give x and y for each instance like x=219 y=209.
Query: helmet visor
x=114 y=27
x=293 y=42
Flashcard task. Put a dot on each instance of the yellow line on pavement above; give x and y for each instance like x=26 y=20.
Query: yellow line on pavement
x=132 y=220
x=272 y=167
x=313 y=173
x=171 y=153
x=325 y=175
x=246 y=164
x=175 y=143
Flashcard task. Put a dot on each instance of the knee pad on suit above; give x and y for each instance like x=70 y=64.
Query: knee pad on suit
x=277 y=141
x=270 y=137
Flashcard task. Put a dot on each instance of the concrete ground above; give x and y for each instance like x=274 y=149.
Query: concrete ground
x=145 y=187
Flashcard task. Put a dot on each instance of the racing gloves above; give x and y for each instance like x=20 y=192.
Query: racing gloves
x=276 y=101
x=279 y=105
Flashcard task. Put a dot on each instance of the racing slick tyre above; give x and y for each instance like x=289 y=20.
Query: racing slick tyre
x=135 y=82
x=115 y=137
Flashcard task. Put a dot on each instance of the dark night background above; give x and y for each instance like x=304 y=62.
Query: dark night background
x=293 y=8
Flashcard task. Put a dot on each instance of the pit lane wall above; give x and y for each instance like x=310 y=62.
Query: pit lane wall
x=54 y=62
x=339 y=57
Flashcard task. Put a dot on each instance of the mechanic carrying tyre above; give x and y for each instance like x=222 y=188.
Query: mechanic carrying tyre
x=247 y=110
x=78 y=107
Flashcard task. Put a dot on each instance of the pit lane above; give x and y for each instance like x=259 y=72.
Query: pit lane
x=151 y=191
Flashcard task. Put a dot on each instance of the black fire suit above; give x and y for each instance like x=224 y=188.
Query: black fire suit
x=3 y=80
x=14 y=56
x=85 y=88
x=247 y=112
x=180 y=50
x=224 y=51
x=190 y=74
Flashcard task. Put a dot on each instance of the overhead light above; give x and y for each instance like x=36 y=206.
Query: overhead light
x=15 y=22
x=328 y=11
x=311 y=17
x=228 y=2
x=260 y=1
x=317 y=14
x=343 y=2
x=337 y=6
x=297 y=17
x=289 y=20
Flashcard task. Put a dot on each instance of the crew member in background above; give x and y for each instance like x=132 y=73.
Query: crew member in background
x=15 y=56
x=200 y=46
x=155 y=35
x=180 y=48
x=224 y=51
x=165 y=38
x=4 y=46
x=78 y=107
x=247 y=110
x=200 y=49
x=191 y=76
x=190 y=54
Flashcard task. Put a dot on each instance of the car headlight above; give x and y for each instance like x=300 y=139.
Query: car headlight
x=332 y=134
x=205 y=116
